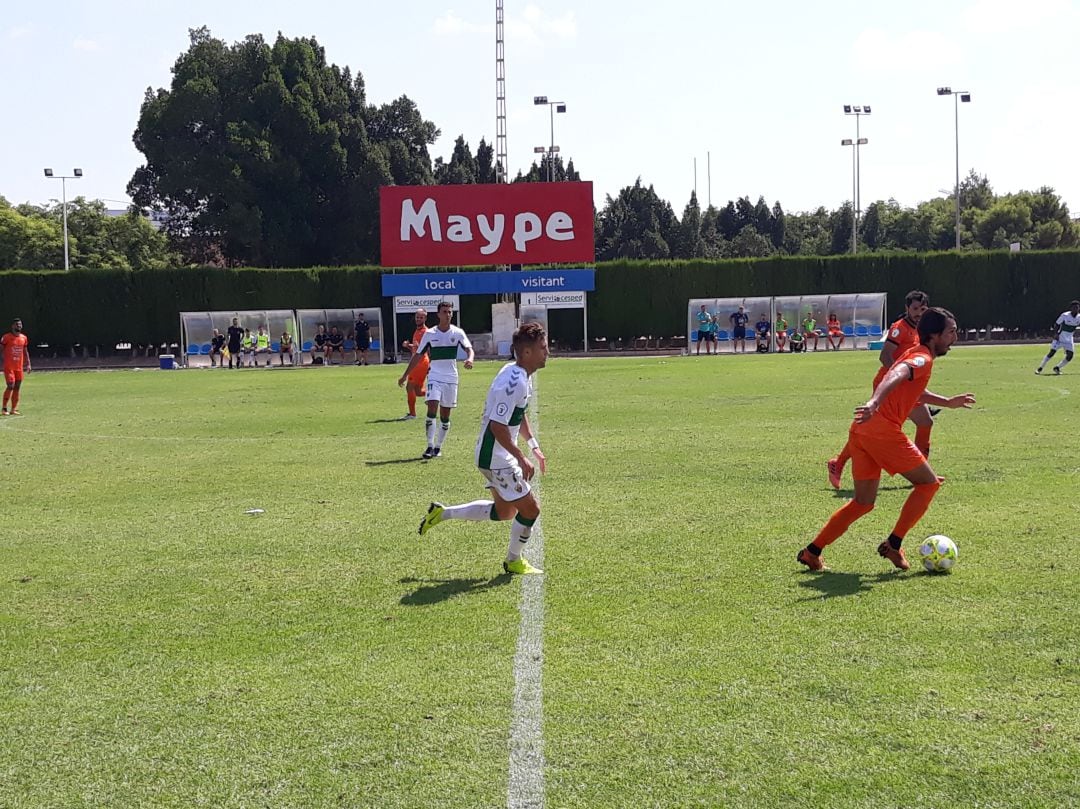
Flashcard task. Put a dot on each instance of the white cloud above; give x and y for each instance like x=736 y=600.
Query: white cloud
x=914 y=51
x=87 y=45
x=532 y=25
x=988 y=17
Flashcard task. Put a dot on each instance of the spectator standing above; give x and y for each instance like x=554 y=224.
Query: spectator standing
x=738 y=329
x=362 y=333
x=705 y=329
x=235 y=343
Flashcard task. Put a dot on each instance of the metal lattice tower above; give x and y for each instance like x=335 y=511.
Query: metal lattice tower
x=501 y=164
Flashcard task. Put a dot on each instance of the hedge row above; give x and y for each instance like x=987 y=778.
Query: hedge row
x=102 y=307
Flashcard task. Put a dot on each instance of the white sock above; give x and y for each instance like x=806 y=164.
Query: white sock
x=1063 y=363
x=440 y=435
x=519 y=536
x=1042 y=364
x=476 y=510
x=429 y=426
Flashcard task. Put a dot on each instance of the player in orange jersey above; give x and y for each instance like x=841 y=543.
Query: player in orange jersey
x=903 y=335
x=415 y=381
x=16 y=351
x=878 y=442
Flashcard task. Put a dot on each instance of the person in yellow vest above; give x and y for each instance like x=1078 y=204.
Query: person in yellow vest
x=262 y=346
x=285 y=346
x=247 y=348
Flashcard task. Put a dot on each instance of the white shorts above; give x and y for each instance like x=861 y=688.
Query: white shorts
x=1063 y=340
x=507 y=481
x=445 y=393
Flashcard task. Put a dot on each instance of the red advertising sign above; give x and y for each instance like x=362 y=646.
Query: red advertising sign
x=474 y=225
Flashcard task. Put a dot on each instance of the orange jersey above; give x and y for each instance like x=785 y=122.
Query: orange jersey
x=834 y=326
x=890 y=415
x=14 y=349
x=904 y=335
x=421 y=369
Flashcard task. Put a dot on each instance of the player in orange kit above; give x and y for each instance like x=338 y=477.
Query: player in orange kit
x=878 y=442
x=415 y=381
x=15 y=348
x=903 y=335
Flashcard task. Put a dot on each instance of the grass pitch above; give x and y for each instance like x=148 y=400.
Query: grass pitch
x=161 y=647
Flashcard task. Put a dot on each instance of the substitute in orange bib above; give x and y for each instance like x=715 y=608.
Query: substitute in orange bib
x=16 y=351
x=877 y=442
x=903 y=335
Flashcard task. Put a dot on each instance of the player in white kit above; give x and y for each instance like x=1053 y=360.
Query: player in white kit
x=1065 y=325
x=441 y=345
x=506 y=469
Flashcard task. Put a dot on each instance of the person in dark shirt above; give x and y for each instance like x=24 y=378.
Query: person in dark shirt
x=217 y=344
x=335 y=342
x=235 y=338
x=763 y=329
x=362 y=332
x=321 y=345
x=738 y=329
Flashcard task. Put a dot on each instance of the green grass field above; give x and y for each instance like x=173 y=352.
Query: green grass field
x=160 y=647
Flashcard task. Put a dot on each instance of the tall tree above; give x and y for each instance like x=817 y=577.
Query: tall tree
x=485 y=163
x=270 y=155
x=690 y=243
x=777 y=226
x=635 y=224
x=728 y=221
x=762 y=217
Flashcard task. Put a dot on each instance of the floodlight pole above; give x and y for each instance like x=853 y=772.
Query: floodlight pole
x=63 y=178
x=858 y=110
x=553 y=107
x=958 y=96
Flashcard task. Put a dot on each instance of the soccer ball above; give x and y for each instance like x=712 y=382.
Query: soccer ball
x=938 y=553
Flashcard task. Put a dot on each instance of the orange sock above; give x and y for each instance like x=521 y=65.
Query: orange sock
x=412 y=403
x=914 y=507
x=922 y=439
x=15 y=399
x=840 y=521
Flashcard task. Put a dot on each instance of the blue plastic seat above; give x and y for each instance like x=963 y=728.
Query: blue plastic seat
x=875 y=331
x=275 y=347
x=374 y=345
x=848 y=331
x=307 y=346
x=350 y=345
x=193 y=348
x=861 y=331
x=722 y=334
x=204 y=349
x=693 y=336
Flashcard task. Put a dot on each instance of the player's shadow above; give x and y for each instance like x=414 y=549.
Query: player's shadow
x=432 y=591
x=393 y=461
x=398 y=420
x=833 y=583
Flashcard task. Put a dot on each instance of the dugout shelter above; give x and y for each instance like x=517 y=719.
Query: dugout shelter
x=345 y=320
x=862 y=315
x=196 y=329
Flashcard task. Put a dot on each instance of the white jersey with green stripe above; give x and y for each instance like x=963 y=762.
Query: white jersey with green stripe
x=507 y=400
x=1068 y=322
x=442 y=350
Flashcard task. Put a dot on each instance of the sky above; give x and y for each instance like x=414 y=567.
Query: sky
x=753 y=92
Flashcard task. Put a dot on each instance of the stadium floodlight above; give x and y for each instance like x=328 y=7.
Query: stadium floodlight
x=958 y=96
x=63 y=178
x=539 y=149
x=858 y=110
x=554 y=107
x=854 y=144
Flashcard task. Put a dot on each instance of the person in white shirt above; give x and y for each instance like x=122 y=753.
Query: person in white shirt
x=1064 y=327
x=506 y=469
x=440 y=344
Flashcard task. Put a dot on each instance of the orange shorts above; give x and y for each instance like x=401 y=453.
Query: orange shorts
x=13 y=375
x=890 y=450
x=836 y=333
